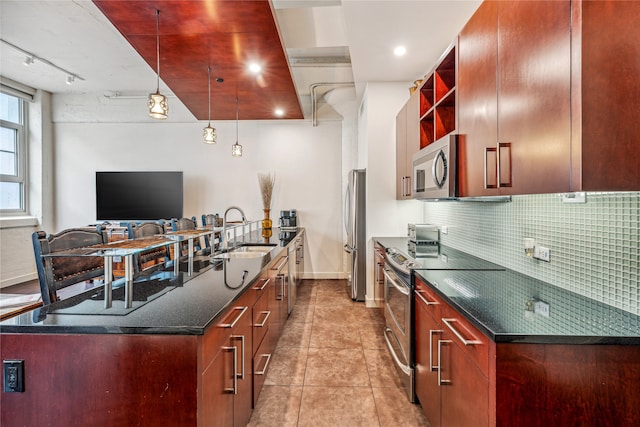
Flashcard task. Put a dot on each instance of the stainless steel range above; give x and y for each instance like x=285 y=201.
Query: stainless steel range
x=398 y=298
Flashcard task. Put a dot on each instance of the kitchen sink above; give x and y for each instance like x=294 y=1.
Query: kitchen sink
x=248 y=251
x=241 y=254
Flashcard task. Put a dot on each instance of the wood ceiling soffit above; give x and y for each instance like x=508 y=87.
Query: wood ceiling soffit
x=225 y=34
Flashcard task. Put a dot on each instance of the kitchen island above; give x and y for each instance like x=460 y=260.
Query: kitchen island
x=171 y=359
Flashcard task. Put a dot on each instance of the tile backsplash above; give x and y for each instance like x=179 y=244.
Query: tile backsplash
x=594 y=246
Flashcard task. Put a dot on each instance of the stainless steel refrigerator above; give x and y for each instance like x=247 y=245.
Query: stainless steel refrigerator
x=355 y=226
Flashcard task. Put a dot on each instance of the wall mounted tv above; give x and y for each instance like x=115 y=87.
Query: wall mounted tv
x=131 y=196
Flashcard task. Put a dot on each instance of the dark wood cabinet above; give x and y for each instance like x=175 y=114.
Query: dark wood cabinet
x=407 y=144
x=605 y=93
x=514 y=81
x=463 y=378
x=452 y=359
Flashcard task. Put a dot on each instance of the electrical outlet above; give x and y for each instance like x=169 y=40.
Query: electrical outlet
x=444 y=229
x=542 y=253
x=13 y=371
x=541 y=308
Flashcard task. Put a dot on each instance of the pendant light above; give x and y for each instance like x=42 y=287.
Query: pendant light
x=209 y=132
x=236 y=149
x=158 y=105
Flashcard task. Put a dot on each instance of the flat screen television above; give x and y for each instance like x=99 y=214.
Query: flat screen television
x=131 y=196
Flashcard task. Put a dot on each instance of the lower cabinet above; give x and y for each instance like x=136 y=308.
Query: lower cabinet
x=452 y=388
x=465 y=379
x=227 y=379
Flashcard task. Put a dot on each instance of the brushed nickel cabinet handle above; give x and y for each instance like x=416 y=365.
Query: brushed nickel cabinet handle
x=504 y=163
x=241 y=338
x=419 y=295
x=432 y=332
x=264 y=321
x=264 y=285
x=232 y=324
x=284 y=260
x=464 y=341
x=233 y=389
x=488 y=150
x=266 y=364
x=442 y=381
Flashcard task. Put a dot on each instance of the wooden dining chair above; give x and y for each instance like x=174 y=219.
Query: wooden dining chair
x=153 y=259
x=56 y=273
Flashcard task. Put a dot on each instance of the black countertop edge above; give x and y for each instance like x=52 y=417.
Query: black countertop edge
x=99 y=330
x=564 y=339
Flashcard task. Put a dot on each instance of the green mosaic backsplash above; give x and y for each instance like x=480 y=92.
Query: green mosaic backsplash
x=594 y=246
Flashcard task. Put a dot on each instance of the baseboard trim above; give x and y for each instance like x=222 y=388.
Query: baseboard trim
x=18 y=279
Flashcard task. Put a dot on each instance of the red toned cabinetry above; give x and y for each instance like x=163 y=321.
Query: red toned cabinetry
x=407 y=144
x=514 y=112
x=463 y=378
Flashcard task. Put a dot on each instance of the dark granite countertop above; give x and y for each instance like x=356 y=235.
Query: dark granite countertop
x=500 y=304
x=186 y=309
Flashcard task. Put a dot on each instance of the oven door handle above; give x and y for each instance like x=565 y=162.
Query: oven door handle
x=402 y=289
x=402 y=366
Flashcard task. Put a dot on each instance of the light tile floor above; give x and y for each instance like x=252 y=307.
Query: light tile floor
x=332 y=368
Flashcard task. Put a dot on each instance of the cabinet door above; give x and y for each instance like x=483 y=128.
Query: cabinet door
x=478 y=103
x=401 y=154
x=464 y=388
x=534 y=99
x=427 y=332
x=218 y=385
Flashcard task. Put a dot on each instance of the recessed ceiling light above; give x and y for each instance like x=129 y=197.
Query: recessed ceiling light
x=255 y=67
x=279 y=112
x=400 y=50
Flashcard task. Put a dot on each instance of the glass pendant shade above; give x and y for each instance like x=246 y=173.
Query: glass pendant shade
x=158 y=106
x=209 y=135
x=236 y=150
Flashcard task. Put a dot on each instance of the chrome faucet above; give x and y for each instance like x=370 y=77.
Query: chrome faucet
x=225 y=240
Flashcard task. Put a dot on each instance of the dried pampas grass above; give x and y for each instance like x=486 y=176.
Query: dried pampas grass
x=267 y=181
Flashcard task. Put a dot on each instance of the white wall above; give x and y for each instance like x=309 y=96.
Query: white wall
x=306 y=160
x=386 y=216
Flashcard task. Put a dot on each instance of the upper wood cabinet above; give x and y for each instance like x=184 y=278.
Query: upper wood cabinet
x=514 y=111
x=407 y=144
x=605 y=142
x=547 y=98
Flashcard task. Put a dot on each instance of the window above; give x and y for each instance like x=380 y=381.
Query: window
x=13 y=154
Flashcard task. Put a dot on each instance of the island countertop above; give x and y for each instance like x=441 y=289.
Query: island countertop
x=159 y=308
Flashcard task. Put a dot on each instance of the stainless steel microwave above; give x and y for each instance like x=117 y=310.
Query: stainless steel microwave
x=434 y=169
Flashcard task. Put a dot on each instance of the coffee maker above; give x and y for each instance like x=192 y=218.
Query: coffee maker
x=288 y=220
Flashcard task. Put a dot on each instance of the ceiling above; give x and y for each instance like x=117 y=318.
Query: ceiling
x=327 y=44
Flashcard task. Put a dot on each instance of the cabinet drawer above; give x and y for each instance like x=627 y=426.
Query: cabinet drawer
x=261 y=362
x=426 y=297
x=475 y=345
x=260 y=322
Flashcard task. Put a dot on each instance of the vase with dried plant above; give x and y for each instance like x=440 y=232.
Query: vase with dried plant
x=267 y=182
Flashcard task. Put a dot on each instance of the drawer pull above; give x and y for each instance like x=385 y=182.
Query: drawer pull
x=266 y=364
x=264 y=321
x=264 y=285
x=419 y=294
x=449 y=322
x=232 y=324
x=442 y=381
x=234 y=388
x=285 y=259
x=432 y=332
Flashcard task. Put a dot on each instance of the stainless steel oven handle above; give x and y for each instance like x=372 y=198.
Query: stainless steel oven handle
x=402 y=366
x=402 y=289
